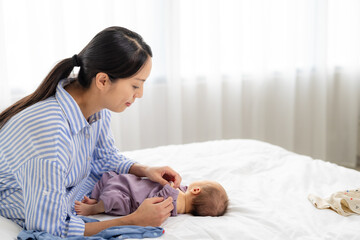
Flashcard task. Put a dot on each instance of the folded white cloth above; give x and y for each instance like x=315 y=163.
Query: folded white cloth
x=344 y=203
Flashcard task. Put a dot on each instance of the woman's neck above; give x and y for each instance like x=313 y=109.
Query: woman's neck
x=83 y=98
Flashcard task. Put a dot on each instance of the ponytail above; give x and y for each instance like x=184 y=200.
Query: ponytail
x=46 y=89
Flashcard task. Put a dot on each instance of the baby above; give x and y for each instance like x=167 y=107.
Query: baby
x=122 y=194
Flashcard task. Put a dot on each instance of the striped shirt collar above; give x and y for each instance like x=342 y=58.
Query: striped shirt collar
x=71 y=109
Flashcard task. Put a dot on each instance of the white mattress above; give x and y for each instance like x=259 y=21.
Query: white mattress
x=267 y=187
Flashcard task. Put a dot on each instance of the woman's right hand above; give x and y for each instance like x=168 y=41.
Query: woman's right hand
x=153 y=211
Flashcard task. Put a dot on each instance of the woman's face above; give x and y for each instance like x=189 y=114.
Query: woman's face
x=123 y=92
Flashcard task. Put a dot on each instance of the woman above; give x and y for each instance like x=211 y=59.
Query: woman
x=56 y=143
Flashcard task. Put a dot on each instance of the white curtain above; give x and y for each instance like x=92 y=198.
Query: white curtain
x=281 y=71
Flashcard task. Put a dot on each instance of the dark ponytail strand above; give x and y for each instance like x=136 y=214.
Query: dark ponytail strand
x=46 y=89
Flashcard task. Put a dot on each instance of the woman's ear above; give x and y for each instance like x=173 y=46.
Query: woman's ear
x=195 y=190
x=101 y=80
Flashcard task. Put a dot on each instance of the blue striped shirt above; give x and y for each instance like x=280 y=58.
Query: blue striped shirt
x=50 y=156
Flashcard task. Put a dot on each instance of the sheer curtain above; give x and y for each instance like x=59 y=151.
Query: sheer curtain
x=281 y=71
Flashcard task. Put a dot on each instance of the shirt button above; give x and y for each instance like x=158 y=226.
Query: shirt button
x=87 y=136
x=89 y=158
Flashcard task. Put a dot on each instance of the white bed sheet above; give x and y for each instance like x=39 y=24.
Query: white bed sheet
x=267 y=187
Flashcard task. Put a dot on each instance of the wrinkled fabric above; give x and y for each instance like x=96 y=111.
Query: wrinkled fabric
x=119 y=232
x=344 y=203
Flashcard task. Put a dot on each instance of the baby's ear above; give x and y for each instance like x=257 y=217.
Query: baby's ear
x=195 y=190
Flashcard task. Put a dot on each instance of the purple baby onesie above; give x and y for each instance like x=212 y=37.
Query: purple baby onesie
x=122 y=194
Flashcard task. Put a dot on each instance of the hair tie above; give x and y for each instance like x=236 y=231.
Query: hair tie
x=75 y=61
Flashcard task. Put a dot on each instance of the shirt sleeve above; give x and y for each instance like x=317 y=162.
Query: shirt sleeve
x=108 y=157
x=45 y=201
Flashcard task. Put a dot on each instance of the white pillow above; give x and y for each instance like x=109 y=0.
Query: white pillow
x=8 y=229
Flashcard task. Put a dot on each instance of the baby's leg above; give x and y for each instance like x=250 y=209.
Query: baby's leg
x=89 y=209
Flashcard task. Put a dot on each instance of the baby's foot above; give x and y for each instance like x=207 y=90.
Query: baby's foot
x=84 y=208
x=88 y=200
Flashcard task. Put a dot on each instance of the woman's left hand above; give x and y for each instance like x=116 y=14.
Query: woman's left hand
x=163 y=175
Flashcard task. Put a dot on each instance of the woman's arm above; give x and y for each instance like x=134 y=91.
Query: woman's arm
x=152 y=212
x=161 y=175
x=106 y=156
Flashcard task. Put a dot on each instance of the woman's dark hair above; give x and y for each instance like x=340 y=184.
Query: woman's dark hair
x=116 y=51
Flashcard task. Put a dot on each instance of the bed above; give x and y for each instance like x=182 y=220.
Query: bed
x=267 y=187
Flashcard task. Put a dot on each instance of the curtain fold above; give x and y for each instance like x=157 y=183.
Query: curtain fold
x=281 y=71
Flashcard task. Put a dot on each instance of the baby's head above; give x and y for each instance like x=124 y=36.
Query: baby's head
x=208 y=198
